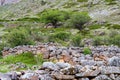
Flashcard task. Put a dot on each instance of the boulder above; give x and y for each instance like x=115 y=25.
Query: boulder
x=62 y=65
x=114 y=61
x=109 y=70
x=102 y=77
x=45 y=77
x=50 y=65
x=5 y=77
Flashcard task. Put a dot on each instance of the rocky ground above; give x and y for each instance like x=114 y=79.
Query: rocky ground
x=68 y=63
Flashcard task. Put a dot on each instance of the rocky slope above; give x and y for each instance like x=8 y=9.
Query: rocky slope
x=70 y=63
x=3 y=2
x=100 y=10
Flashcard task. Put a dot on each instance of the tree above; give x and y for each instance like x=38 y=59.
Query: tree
x=53 y=16
x=78 y=20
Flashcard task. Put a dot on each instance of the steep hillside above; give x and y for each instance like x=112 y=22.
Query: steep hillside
x=101 y=10
x=4 y=2
x=60 y=40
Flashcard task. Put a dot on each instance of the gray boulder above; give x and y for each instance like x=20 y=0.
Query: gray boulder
x=50 y=65
x=62 y=65
x=102 y=77
x=114 y=61
x=5 y=77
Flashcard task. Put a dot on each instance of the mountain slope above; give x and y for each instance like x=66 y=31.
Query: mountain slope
x=101 y=10
x=4 y=2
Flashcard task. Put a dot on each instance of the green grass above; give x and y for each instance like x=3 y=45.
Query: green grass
x=87 y=51
x=82 y=0
x=94 y=26
x=26 y=58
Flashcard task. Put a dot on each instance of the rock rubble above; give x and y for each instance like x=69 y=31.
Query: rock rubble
x=70 y=63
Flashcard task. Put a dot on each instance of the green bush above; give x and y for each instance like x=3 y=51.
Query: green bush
x=116 y=26
x=87 y=51
x=115 y=40
x=77 y=20
x=53 y=16
x=64 y=36
x=18 y=37
x=76 y=40
x=98 y=41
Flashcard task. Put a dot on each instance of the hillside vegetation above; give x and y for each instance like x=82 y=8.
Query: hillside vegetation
x=69 y=23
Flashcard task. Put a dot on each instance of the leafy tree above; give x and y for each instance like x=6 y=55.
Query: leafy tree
x=78 y=20
x=53 y=16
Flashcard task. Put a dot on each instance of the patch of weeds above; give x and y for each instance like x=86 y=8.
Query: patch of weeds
x=26 y=58
x=69 y=5
x=76 y=40
x=87 y=51
x=64 y=36
x=110 y=2
x=94 y=26
x=82 y=0
x=39 y=59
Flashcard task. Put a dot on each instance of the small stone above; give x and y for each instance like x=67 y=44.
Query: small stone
x=118 y=78
x=59 y=76
x=69 y=70
x=45 y=77
x=88 y=62
x=84 y=79
x=112 y=76
x=27 y=76
x=46 y=55
x=62 y=65
x=41 y=72
x=50 y=65
x=87 y=74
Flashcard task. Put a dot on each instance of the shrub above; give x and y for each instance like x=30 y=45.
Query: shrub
x=59 y=35
x=106 y=40
x=115 y=40
x=18 y=37
x=116 y=26
x=53 y=16
x=87 y=51
x=78 y=20
x=98 y=41
x=76 y=40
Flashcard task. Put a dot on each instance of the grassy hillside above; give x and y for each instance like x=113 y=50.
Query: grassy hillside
x=76 y=23
x=103 y=10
